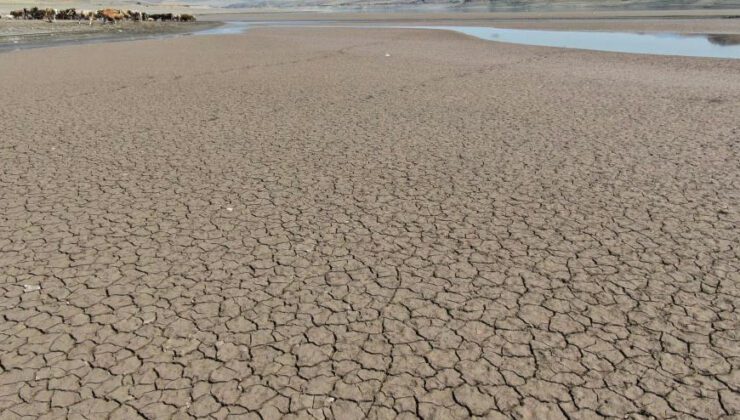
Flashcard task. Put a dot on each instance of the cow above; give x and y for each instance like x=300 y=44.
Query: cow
x=162 y=17
x=187 y=18
x=87 y=15
x=135 y=15
x=33 y=13
x=111 y=15
x=66 y=14
x=50 y=15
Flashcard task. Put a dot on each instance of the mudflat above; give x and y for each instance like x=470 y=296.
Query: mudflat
x=348 y=223
x=16 y=34
x=681 y=21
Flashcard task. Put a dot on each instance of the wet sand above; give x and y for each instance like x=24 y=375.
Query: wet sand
x=19 y=34
x=345 y=223
x=35 y=33
x=682 y=21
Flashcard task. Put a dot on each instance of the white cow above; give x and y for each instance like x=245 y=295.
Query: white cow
x=87 y=15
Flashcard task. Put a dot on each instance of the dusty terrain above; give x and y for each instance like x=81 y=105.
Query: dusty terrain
x=344 y=223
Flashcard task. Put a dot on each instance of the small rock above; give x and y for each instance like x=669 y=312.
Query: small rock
x=31 y=287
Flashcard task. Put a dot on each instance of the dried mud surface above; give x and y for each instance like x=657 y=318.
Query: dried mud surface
x=344 y=223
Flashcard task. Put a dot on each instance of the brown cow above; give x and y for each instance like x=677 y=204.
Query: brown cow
x=111 y=15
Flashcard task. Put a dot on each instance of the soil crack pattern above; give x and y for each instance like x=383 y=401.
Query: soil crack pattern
x=344 y=224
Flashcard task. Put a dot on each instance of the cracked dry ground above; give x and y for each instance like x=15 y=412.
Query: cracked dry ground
x=292 y=223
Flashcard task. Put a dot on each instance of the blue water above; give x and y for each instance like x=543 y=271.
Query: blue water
x=228 y=28
x=687 y=45
x=624 y=42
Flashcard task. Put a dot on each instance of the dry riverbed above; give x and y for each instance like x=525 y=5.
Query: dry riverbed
x=367 y=223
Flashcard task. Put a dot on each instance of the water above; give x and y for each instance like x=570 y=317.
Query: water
x=624 y=42
x=687 y=45
x=228 y=28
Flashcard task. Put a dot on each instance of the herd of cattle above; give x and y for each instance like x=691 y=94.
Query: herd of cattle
x=103 y=15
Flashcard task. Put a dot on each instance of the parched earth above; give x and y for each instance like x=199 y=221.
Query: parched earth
x=346 y=223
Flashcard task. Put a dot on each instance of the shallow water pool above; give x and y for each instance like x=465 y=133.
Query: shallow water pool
x=699 y=45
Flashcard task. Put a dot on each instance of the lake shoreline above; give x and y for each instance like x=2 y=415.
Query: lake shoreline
x=24 y=34
x=16 y=34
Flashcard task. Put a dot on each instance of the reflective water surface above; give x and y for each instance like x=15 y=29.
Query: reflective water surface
x=637 y=43
x=228 y=28
x=688 y=45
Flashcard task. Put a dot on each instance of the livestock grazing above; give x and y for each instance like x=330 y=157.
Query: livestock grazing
x=66 y=14
x=50 y=14
x=87 y=15
x=34 y=13
x=135 y=15
x=104 y=15
x=111 y=15
x=164 y=17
